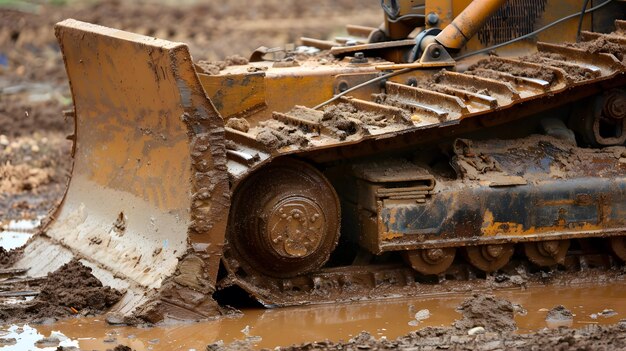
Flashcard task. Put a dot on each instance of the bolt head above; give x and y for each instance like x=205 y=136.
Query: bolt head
x=435 y=53
x=494 y=251
x=434 y=254
x=432 y=19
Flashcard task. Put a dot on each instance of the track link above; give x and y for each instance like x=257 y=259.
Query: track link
x=383 y=281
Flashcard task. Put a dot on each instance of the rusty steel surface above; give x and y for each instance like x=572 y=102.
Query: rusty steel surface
x=528 y=190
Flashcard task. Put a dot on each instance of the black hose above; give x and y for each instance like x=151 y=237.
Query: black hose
x=582 y=17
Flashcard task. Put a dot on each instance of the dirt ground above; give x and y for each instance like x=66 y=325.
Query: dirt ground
x=34 y=92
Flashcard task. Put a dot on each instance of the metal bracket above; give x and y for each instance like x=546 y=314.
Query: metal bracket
x=434 y=56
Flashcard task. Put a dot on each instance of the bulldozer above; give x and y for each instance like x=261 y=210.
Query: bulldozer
x=455 y=133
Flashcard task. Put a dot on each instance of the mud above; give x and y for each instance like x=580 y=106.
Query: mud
x=69 y=291
x=274 y=134
x=439 y=77
x=487 y=324
x=268 y=328
x=341 y=120
x=588 y=338
x=559 y=316
x=560 y=313
x=214 y=67
x=575 y=73
x=9 y=257
x=494 y=64
x=601 y=45
x=487 y=311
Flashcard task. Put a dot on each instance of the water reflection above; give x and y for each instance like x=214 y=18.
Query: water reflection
x=17 y=232
x=26 y=338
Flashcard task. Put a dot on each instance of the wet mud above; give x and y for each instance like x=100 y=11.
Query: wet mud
x=486 y=324
x=588 y=338
x=488 y=312
x=268 y=328
x=9 y=257
x=69 y=291
x=559 y=316
x=338 y=121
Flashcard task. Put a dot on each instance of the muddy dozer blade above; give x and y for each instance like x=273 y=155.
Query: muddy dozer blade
x=148 y=198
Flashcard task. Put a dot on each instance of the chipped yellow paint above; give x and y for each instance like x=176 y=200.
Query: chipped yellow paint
x=495 y=229
x=387 y=236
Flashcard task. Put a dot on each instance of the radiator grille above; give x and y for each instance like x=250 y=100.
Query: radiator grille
x=515 y=18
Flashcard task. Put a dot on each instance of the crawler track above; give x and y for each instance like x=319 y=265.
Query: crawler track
x=378 y=281
x=491 y=92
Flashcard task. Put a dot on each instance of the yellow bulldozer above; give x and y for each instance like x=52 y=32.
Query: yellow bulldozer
x=457 y=132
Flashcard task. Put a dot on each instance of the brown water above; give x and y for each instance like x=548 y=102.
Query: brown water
x=392 y=318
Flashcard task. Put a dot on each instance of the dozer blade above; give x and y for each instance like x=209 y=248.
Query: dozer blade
x=148 y=198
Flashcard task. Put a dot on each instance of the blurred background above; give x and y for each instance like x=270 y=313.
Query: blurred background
x=34 y=154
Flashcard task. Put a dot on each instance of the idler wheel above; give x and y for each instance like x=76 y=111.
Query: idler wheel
x=546 y=253
x=284 y=220
x=489 y=258
x=618 y=246
x=430 y=261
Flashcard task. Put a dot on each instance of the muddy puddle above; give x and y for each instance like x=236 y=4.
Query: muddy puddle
x=271 y=328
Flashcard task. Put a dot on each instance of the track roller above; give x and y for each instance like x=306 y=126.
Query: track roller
x=546 y=253
x=430 y=261
x=489 y=258
x=618 y=246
